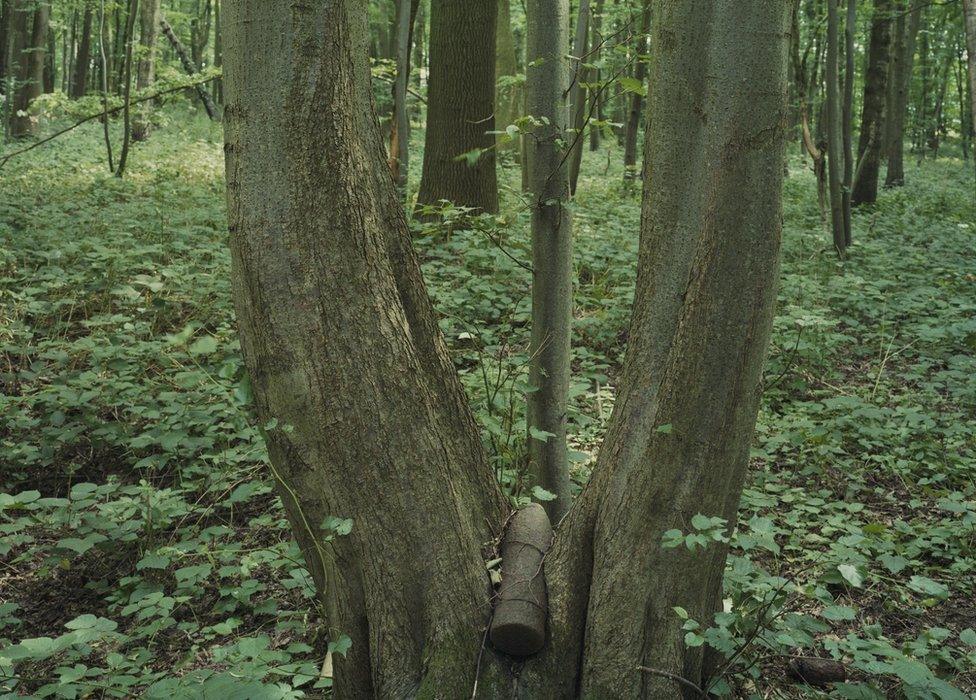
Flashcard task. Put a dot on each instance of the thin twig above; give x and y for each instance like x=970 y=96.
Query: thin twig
x=672 y=677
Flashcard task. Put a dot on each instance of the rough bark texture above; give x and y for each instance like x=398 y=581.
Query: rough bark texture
x=903 y=57
x=344 y=352
x=835 y=152
x=31 y=21
x=148 y=31
x=547 y=87
x=636 y=100
x=869 y=143
x=460 y=106
x=365 y=417
x=79 y=84
x=969 y=17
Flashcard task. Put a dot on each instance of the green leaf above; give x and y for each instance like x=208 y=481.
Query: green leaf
x=634 y=85
x=540 y=435
x=204 y=345
x=341 y=645
x=838 y=612
x=925 y=585
x=540 y=494
x=851 y=575
x=893 y=563
x=968 y=637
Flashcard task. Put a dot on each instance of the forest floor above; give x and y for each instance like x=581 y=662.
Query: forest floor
x=142 y=551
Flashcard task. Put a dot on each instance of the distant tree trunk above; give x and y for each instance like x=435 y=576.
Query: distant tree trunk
x=218 y=58
x=937 y=124
x=127 y=87
x=50 y=63
x=577 y=93
x=104 y=73
x=636 y=99
x=596 y=95
x=79 y=84
x=30 y=62
x=547 y=87
x=420 y=43
x=903 y=59
x=200 y=34
x=148 y=26
x=508 y=98
x=68 y=53
x=6 y=7
x=869 y=143
x=459 y=154
x=835 y=152
x=969 y=16
x=399 y=158
x=190 y=67
x=331 y=307
x=847 y=120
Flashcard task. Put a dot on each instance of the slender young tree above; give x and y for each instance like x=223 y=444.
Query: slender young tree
x=190 y=67
x=399 y=158
x=508 y=95
x=148 y=33
x=903 y=52
x=596 y=95
x=847 y=117
x=79 y=83
x=835 y=152
x=370 y=419
x=969 y=19
x=547 y=87
x=6 y=8
x=636 y=98
x=577 y=92
x=459 y=154
x=130 y=19
x=869 y=143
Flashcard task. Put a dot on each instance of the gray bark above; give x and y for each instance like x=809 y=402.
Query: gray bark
x=903 y=60
x=869 y=142
x=79 y=84
x=31 y=27
x=969 y=17
x=547 y=86
x=190 y=67
x=847 y=120
x=636 y=100
x=835 y=152
x=148 y=26
x=577 y=94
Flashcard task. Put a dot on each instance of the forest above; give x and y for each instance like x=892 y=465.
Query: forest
x=510 y=349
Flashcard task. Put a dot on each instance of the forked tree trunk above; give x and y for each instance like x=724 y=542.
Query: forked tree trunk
x=190 y=67
x=869 y=143
x=547 y=86
x=835 y=151
x=363 y=412
x=460 y=107
x=148 y=31
x=79 y=84
x=903 y=53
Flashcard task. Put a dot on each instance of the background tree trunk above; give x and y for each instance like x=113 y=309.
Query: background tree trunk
x=399 y=158
x=460 y=107
x=903 y=51
x=148 y=26
x=6 y=8
x=577 y=93
x=596 y=95
x=869 y=143
x=79 y=84
x=847 y=121
x=969 y=17
x=835 y=162
x=190 y=67
x=547 y=86
x=30 y=62
x=636 y=99
x=130 y=19
x=508 y=98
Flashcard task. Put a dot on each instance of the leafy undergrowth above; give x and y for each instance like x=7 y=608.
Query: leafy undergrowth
x=142 y=551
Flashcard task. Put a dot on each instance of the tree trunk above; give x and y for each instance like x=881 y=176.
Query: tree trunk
x=364 y=415
x=218 y=58
x=596 y=94
x=127 y=87
x=835 y=162
x=969 y=17
x=903 y=54
x=79 y=84
x=577 y=93
x=636 y=99
x=190 y=67
x=6 y=7
x=547 y=86
x=148 y=26
x=459 y=154
x=847 y=121
x=508 y=96
x=30 y=62
x=399 y=159
x=50 y=70
x=869 y=143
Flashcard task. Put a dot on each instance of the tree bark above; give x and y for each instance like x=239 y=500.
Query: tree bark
x=127 y=88
x=399 y=156
x=148 y=26
x=596 y=95
x=969 y=18
x=835 y=162
x=190 y=67
x=218 y=55
x=869 y=143
x=577 y=93
x=636 y=99
x=79 y=84
x=30 y=23
x=6 y=8
x=903 y=54
x=366 y=419
x=459 y=154
x=547 y=86
x=847 y=120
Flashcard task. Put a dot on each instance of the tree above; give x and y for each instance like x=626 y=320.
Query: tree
x=508 y=94
x=130 y=22
x=148 y=32
x=596 y=94
x=847 y=120
x=899 y=81
x=79 y=84
x=969 y=18
x=547 y=87
x=375 y=453
x=29 y=25
x=399 y=159
x=835 y=162
x=459 y=154
x=190 y=67
x=577 y=92
x=869 y=142
x=637 y=96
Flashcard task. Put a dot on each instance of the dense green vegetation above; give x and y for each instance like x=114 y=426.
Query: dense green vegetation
x=142 y=551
